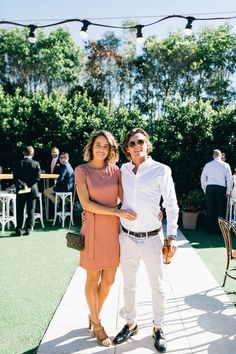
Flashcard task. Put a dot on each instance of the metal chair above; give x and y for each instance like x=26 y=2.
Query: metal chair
x=8 y=209
x=228 y=229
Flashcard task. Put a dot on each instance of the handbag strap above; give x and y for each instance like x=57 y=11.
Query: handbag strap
x=73 y=204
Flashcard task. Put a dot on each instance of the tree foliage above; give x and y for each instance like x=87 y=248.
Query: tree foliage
x=180 y=89
x=52 y=62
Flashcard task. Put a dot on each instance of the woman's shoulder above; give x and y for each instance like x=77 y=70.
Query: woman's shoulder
x=81 y=168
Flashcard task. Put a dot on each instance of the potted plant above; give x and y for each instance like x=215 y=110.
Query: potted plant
x=190 y=204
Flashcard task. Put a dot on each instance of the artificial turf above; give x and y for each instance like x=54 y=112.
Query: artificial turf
x=35 y=271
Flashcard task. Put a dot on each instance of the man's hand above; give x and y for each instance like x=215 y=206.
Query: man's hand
x=83 y=217
x=160 y=215
x=172 y=246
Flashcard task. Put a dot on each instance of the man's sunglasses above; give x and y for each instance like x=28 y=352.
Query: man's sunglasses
x=139 y=142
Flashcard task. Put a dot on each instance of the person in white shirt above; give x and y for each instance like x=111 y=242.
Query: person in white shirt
x=144 y=182
x=216 y=182
x=233 y=192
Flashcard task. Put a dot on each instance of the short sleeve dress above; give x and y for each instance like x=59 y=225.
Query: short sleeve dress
x=101 y=231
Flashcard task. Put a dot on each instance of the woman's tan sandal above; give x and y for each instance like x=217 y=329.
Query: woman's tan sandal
x=100 y=334
x=90 y=322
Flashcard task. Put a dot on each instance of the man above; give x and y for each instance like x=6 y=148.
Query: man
x=65 y=181
x=216 y=182
x=144 y=182
x=26 y=174
x=55 y=162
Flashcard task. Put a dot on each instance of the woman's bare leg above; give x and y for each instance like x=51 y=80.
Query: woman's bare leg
x=91 y=292
x=106 y=281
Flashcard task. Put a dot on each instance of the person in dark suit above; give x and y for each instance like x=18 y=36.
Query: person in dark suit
x=65 y=181
x=55 y=165
x=26 y=174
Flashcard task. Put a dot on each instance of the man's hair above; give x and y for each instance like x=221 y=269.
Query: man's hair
x=28 y=151
x=216 y=153
x=65 y=154
x=113 y=154
x=129 y=135
x=55 y=148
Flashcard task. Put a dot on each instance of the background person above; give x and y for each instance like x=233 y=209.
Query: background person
x=55 y=164
x=26 y=174
x=233 y=193
x=97 y=184
x=216 y=182
x=65 y=181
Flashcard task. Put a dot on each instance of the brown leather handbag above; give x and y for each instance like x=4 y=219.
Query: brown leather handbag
x=74 y=240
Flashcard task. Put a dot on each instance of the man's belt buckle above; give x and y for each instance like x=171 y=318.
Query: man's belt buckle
x=141 y=234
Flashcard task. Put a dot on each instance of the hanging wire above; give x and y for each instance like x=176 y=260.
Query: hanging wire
x=86 y=23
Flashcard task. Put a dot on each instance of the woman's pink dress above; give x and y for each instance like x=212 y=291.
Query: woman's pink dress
x=101 y=231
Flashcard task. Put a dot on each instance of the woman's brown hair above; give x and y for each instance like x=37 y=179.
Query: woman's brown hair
x=113 y=155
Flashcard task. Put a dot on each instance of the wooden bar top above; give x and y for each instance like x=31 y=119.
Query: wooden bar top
x=43 y=175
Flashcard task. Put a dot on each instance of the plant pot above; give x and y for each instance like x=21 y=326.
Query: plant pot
x=189 y=219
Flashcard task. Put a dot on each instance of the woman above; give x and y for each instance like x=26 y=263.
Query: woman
x=98 y=187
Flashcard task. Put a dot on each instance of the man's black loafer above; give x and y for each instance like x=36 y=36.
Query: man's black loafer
x=27 y=232
x=125 y=333
x=159 y=341
x=16 y=233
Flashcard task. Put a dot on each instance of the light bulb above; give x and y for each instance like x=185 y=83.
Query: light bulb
x=188 y=31
x=32 y=39
x=83 y=34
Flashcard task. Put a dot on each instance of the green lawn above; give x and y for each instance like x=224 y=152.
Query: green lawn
x=211 y=249
x=35 y=271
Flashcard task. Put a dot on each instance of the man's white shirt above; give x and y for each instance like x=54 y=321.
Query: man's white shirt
x=217 y=172
x=142 y=194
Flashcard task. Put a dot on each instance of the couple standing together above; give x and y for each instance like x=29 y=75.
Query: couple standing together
x=139 y=185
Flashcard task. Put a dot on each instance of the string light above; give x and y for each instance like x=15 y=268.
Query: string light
x=188 y=28
x=139 y=35
x=83 y=31
x=31 y=37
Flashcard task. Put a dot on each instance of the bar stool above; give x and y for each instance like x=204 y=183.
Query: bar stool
x=62 y=214
x=36 y=215
x=8 y=209
x=232 y=210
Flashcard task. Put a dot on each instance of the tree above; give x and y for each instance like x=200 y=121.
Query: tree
x=180 y=67
x=52 y=62
x=183 y=138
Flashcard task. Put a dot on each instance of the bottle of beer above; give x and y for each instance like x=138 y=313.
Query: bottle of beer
x=166 y=253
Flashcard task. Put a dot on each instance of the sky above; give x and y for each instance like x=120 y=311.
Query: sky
x=114 y=12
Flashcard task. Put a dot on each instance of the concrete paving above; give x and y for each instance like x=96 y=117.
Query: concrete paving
x=199 y=316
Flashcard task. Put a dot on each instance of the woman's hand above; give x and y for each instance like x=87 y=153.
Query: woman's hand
x=126 y=214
